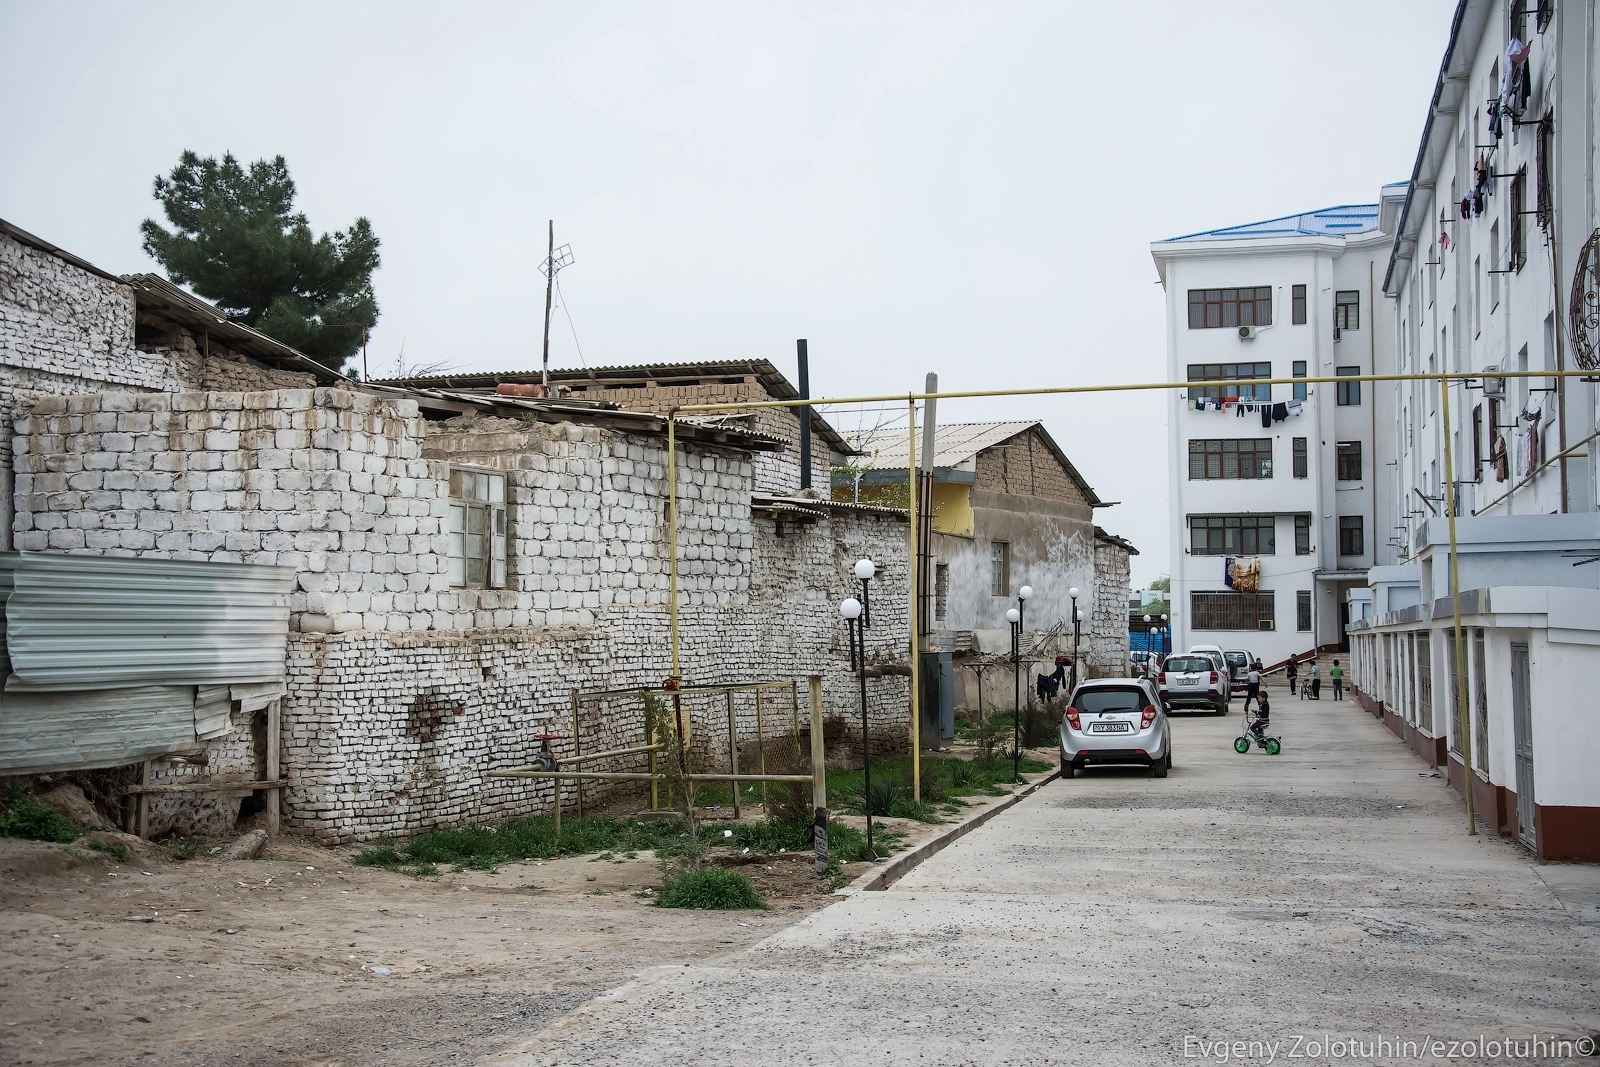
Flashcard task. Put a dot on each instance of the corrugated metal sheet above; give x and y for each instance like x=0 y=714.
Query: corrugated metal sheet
x=213 y=712
x=108 y=622
x=8 y=564
x=45 y=732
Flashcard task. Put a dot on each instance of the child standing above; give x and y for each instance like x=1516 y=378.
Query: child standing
x=1336 y=675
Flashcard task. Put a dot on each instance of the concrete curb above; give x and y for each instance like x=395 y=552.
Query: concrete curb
x=880 y=879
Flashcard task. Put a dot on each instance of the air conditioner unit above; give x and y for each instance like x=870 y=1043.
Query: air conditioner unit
x=1265 y=624
x=1247 y=333
x=1494 y=388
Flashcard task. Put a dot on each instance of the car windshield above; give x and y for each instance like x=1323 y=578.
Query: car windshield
x=1099 y=701
x=1190 y=663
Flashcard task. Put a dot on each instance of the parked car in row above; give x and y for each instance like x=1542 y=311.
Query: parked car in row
x=1195 y=680
x=1115 y=720
x=1238 y=667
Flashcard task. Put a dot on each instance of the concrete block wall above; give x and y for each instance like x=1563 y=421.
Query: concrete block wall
x=1107 y=638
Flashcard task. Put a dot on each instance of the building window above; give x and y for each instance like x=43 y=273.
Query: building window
x=1299 y=371
x=1302 y=610
x=1232 y=535
x=477 y=528
x=999 y=569
x=1231 y=611
x=1229 y=372
x=941 y=590
x=1349 y=394
x=1297 y=305
x=1519 y=250
x=1300 y=464
x=1349 y=461
x=1352 y=539
x=1230 y=457
x=1302 y=535
x=1347 y=309
x=1211 y=309
x=1477 y=443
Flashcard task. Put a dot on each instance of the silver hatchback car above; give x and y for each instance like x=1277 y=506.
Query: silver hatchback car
x=1115 y=720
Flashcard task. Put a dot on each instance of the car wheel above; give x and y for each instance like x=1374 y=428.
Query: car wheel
x=1158 y=769
x=1219 y=709
x=1169 y=753
x=1066 y=766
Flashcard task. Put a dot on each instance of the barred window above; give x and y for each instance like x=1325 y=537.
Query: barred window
x=1352 y=536
x=1302 y=535
x=1349 y=461
x=1211 y=309
x=477 y=528
x=1231 y=611
x=1231 y=535
x=1302 y=610
x=999 y=568
x=1300 y=457
x=1230 y=372
x=1230 y=457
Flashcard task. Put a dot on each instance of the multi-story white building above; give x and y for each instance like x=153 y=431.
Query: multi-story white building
x=1494 y=267
x=1280 y=498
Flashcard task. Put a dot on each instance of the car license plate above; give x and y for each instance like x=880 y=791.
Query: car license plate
x=1108 y=728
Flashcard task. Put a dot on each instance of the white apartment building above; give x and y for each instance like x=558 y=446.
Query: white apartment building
x=1281 y=500
x=1494 y=268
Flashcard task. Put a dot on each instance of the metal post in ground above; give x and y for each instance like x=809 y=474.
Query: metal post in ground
x=819 y=779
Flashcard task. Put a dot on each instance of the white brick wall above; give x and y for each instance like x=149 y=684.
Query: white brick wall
x=404 y=691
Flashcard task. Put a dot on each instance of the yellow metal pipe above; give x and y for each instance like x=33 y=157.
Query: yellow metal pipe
x=613 y=752
x=1455 y=606
x=1058 y=390
x=916 y=650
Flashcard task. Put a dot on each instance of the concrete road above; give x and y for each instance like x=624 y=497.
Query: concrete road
x=1331 y=891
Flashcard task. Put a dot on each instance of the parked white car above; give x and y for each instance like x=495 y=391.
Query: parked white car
x=1115 y=720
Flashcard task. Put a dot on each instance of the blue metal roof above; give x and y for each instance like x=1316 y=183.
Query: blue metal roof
x=1337 y=221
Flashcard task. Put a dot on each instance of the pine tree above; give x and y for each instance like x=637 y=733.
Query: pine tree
x=237 y=241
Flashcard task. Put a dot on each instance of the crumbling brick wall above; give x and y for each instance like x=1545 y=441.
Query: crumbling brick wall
x=1107 y=654
x=404 y=691
x=1025 y=466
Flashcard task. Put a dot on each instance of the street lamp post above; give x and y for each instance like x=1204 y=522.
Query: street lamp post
x=858 y=616
x=1015 y=617
x=1077 y=617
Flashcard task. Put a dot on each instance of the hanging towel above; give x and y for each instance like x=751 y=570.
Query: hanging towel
x=1295 y=406
x=1266 y=417
x=1280 y=412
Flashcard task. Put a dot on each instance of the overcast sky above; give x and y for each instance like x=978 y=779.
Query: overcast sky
x=963 y=188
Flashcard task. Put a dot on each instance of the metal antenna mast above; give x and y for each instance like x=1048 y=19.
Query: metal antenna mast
x=553 y=262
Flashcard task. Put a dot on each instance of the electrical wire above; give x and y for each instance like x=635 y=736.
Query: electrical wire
x=570 y=326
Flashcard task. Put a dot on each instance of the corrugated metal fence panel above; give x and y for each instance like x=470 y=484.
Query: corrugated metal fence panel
x=108 y=622
x=8 y=564
x=213 y=712
x=42 y=733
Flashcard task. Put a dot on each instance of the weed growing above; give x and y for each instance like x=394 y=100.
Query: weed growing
x=709 y=889
x=483 y=847
x=115 y=849
x=23 y=816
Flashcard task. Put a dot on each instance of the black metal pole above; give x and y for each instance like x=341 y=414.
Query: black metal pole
x=1074 y=642
x=866 y=748
x=1016 y=697
x=805 y=413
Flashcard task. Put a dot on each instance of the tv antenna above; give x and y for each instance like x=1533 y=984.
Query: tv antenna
x=552 y=264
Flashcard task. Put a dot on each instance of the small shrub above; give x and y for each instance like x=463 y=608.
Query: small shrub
x=885 y=793
x=185 y=850
x=962 y=774
x=115 y=849
x=25 y=817
x=708 y=889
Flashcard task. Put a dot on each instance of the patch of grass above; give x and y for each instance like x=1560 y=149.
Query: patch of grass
x=708 y=889
x=481 y=847
x=386 y=856
x=184 y=850
x=23 y=816
x=115 y=849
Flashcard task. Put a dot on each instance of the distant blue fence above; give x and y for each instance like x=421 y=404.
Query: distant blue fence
x=1143 y=640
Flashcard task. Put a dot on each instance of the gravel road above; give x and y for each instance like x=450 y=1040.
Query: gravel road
x=1299 y=902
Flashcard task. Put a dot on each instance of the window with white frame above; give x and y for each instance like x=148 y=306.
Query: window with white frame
x=477 y=528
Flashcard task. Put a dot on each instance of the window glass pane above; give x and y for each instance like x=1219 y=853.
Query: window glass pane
x=497 y=488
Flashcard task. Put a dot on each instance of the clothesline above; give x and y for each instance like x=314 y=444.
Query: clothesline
x=1270 y=412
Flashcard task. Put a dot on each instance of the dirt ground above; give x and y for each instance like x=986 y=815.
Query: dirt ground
x=304 y=958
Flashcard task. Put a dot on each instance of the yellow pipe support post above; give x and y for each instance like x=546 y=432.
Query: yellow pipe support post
x=761 y=752
x=819 y=778
x=733 y=751
x=916 y=645
x=577 y=750
x=1460 y=679
x=672 y=538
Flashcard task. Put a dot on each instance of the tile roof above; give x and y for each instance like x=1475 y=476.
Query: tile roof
x=1339 y=221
